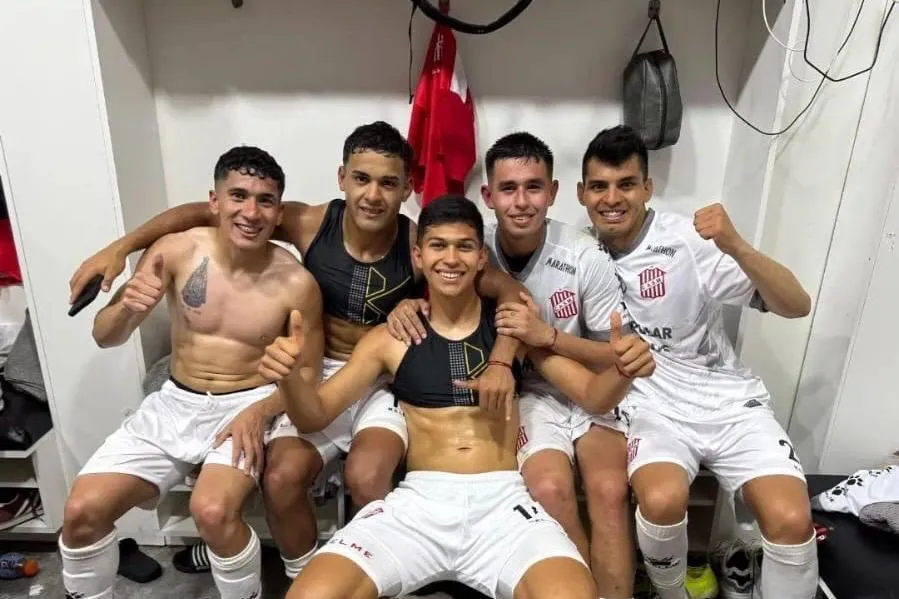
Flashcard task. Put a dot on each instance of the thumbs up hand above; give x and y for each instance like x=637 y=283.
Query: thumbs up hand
x=282 y=355
x=144 y=290
x=615 y=330
x=633 y=355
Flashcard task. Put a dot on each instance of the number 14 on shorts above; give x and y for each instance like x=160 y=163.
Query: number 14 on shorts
x=528 y=512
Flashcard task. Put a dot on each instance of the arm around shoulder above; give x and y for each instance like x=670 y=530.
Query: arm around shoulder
x=133 y=301
x=110 y=261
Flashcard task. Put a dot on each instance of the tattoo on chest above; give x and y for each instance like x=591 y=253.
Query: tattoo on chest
x=194 y=292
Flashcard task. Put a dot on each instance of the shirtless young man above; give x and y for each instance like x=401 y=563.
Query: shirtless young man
x=358 y=249
x=230 y=293
x=463 y=512
x=572 y=280
x=701 y=406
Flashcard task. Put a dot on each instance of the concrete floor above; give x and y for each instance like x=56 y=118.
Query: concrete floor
x=171 y=585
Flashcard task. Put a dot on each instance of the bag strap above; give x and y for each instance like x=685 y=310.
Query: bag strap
x=653 y=18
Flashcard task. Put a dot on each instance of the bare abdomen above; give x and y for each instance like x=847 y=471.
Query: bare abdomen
x=212 y=364
x=461 y=440
x=341 y=336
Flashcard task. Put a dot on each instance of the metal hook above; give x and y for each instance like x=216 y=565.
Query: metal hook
x=236 y=3
x=655 y=6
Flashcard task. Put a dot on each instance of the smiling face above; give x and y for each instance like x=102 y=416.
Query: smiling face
x=615 y=198
x=249 y=208
x=520 y=192
x=450 y=256
x=375 y=186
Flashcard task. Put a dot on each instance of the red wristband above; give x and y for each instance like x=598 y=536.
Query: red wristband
x=498 y=363
x=622 y=372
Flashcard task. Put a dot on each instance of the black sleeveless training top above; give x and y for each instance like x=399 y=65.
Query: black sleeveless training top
x=359 y=292
x=426 y=373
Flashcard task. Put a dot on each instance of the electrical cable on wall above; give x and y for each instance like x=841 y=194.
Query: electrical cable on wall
x=438 y=15
x=826 y=76
x=441 y=15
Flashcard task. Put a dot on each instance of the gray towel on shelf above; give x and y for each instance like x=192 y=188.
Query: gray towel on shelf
x=23 y=369
x=883 y=515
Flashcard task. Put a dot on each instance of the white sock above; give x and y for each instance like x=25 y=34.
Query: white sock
x=89 y=572
x=292 y=567
x=790 y=571
x=238 y=577
x=665 y=554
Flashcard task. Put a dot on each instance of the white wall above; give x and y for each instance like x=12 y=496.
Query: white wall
x=133 y=131
x=296 y=76
x=846 y=379
x=61 y=188
x=812 y=222
x=865 y=417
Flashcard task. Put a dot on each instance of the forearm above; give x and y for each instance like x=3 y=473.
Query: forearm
x=596 y=393
x=303 y=404
x=505 y=349
x=173 y=220
x=778 y=286
x=605 y=391
x=593 y=354
x=114 y=324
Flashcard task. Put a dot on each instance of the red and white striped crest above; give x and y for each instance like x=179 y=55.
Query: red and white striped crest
x=652 y=283
x=564 y=303
x=522 y=439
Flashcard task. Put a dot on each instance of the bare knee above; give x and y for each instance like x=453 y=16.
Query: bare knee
x=288 y=475
x=368 y=474
x=554 y=492
x=211 y=513
x=282 y=480
x=86 y=518
x=664 y=503
x=787 y=524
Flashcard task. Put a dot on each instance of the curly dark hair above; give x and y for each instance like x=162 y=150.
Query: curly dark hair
x=249 y=160
x=380 y=137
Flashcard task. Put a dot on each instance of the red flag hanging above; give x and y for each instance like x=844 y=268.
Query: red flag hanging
x=441 y=129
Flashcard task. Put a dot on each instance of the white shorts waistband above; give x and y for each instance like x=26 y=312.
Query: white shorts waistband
x=170 y=389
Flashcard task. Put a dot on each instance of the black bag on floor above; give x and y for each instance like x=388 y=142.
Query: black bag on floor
x=651 y=94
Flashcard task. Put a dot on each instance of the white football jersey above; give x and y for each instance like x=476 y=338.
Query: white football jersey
x=572 y=278
x=674 y=284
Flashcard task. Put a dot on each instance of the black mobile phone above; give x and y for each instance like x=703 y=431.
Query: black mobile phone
x=87 y=295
